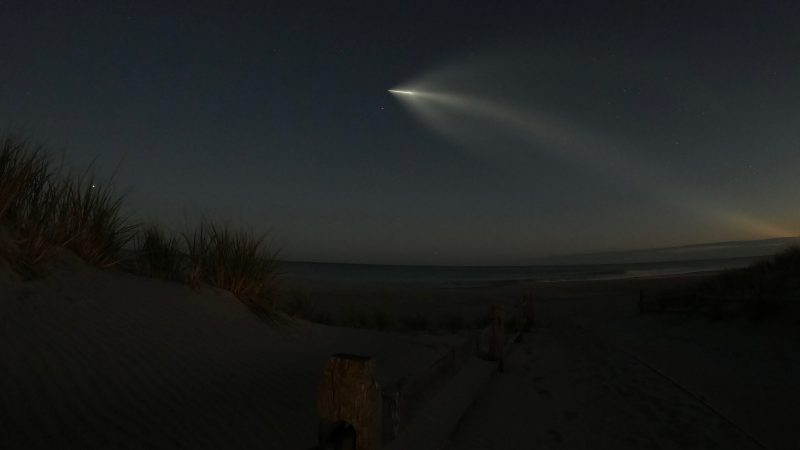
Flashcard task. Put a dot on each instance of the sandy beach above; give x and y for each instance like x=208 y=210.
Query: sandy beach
x=598 y=374
x=461 y=225
x=103 y=359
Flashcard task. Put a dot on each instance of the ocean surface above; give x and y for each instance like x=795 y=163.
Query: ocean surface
x=480 y=276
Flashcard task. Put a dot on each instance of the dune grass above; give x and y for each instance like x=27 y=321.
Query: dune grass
x=25 y=192
x=414 y=322
x=47 y=208
x=777 y=274
x=159 y=255
x=452 y=322
x=300 y=304
x=50 y=209
x=23 y=171
x=381 y=320
x=89 y=219
x=235 y=260
x=771 y=284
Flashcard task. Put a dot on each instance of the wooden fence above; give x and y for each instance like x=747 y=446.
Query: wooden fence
x=356 y=413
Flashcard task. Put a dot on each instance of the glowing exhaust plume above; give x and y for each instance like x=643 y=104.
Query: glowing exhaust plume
x=398 y=91
x=450 y=114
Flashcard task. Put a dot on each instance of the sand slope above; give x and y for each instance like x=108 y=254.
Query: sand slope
x=101 y=359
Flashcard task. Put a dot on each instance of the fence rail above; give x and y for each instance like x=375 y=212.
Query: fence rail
x=356 y=413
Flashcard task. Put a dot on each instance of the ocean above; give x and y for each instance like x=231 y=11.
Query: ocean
x=473 y=276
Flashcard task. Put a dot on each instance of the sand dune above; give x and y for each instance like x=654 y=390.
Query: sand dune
x=101 y=359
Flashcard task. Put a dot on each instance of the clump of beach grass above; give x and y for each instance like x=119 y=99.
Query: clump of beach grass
x=324 y=318
x=381 y=320
x=452 y=322
x=49 y=209
x=770 y=284
x=300 y=304
x=356 y=318
x=414 y=322
x=483 y=320
x=235 y=260
x=159 y=255
x=89 y=219
x=776 y=274
x=25 y=188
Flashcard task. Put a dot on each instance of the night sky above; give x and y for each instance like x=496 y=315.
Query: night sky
x=573 y=126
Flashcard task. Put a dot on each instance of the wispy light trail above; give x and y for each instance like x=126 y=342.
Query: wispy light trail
x=446 y=113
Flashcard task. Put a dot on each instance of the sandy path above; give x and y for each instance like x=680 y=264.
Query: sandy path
x=562 y=389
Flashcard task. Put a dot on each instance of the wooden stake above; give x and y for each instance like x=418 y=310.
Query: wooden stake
x=350 y=399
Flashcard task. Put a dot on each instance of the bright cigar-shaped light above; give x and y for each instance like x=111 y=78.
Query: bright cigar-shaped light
x=397 y=91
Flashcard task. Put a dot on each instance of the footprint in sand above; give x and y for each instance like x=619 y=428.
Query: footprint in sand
x=555 y=435
x=544 y=393
x=645 y=410
x=684 y=438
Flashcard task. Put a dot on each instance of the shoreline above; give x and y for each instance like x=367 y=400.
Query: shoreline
x=478 y=277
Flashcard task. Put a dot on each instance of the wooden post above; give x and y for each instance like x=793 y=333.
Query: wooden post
x=350 y=399
x=756 y=303
x=641 y=301
x=522 y=317
x=391 y=413
x=717 y=314
x=498 y=335
x=530 y=313
x=519 y=320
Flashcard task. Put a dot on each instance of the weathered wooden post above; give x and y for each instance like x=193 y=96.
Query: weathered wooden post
x=350 y=401
x=641 y=301
x=521 y=317
x=498 y=336
x=391 y=413
x=518 y=323
x=755 y=305
x=717 y=308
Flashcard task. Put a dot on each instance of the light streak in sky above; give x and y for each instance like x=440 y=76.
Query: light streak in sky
x=398 y=91
x=447 y=113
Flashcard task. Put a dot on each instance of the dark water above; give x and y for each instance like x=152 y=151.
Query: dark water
x=477 y=276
